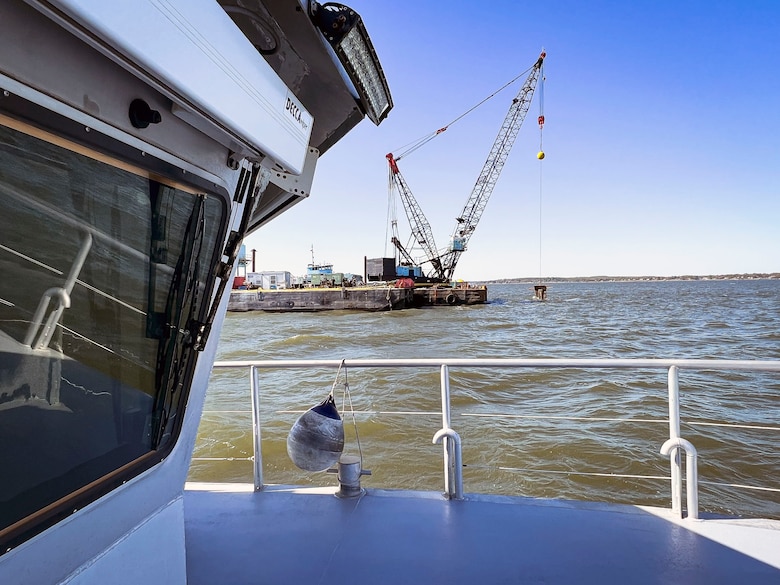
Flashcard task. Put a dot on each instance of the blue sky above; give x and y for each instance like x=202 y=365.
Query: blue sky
x=662 y=141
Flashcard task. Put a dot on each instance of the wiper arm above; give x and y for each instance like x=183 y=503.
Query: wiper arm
x=174 y=325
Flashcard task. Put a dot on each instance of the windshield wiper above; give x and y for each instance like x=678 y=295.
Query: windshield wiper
x=174 y=326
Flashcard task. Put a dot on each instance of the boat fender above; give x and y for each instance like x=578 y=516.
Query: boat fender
x=451 y=299
x=316 y=440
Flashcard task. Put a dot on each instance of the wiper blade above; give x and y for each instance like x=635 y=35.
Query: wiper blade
x=173 y=326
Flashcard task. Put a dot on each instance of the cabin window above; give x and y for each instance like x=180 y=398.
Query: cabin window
x=105 y=269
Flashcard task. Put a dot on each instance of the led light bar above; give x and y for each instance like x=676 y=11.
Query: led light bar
x=344 y=30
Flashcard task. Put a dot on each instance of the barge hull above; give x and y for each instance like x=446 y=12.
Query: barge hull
x=436 y=296
x=321 y=299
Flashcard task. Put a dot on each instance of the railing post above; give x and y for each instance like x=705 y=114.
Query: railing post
x=256 y=438
x=445 y=397
x=453 y=466
x=63 y=296
x=674 y=434
x=445 y=424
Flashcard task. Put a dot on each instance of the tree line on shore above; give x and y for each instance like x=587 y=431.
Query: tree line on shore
x=745 y=276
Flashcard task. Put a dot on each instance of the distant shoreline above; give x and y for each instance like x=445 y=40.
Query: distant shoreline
x=554 y=279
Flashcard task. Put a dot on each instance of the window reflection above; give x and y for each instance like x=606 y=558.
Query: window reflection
x=102 y=269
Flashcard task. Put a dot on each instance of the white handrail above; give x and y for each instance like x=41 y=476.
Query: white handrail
x=62 y=294
x=453 y=476
x=672 y=448
x=604 y=363
x=453 y=469
x=256 y=436
x=674 y=433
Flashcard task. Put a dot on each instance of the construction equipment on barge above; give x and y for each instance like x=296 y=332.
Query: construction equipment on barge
x=443 y=262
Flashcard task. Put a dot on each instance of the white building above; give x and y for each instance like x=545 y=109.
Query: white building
x=269 y=280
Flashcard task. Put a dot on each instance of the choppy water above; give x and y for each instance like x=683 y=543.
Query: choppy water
x=536 y=452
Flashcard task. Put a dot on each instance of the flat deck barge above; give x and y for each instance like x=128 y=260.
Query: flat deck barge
x=386 y=298
x=321 y=299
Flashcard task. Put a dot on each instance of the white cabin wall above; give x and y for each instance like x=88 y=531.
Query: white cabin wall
x=135 y=534
x=136 y=558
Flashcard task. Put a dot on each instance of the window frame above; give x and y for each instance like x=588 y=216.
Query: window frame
x=34 y=120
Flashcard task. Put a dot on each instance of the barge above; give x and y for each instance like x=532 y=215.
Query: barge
x=359 y=298
x=428 y=292
x=321 y=289
x=449 y=296
x=321 y=299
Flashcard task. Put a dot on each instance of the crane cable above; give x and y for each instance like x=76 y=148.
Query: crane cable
x=414 y=145
x=540 y=156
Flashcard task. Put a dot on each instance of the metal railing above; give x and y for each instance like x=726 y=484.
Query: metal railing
x=453 y=467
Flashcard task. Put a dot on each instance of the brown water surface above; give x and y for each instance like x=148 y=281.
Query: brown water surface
x=545 y=435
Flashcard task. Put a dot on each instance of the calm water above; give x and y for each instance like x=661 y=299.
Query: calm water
x=556 y=439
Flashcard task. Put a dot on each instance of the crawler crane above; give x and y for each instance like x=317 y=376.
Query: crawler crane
x=443 y=263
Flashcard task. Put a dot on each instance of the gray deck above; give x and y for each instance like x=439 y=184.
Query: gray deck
x=299 y=535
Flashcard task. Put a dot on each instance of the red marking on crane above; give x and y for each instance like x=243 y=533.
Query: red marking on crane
x=392 y=163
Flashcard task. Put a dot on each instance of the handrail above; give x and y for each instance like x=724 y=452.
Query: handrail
x=674 y=433
x=672 y=448
x=453 y=476
x=62 y=294
x=602 y=363
x=256 y=439
x=453 y=466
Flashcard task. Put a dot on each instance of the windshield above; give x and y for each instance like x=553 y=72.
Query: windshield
x=106 y=271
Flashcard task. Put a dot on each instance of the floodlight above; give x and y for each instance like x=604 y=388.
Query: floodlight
x=343 y=28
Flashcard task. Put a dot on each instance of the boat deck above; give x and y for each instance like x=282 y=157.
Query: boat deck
x=307 y=535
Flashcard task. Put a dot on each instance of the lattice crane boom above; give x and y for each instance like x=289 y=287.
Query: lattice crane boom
x=421 y=229
x=483 y=188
